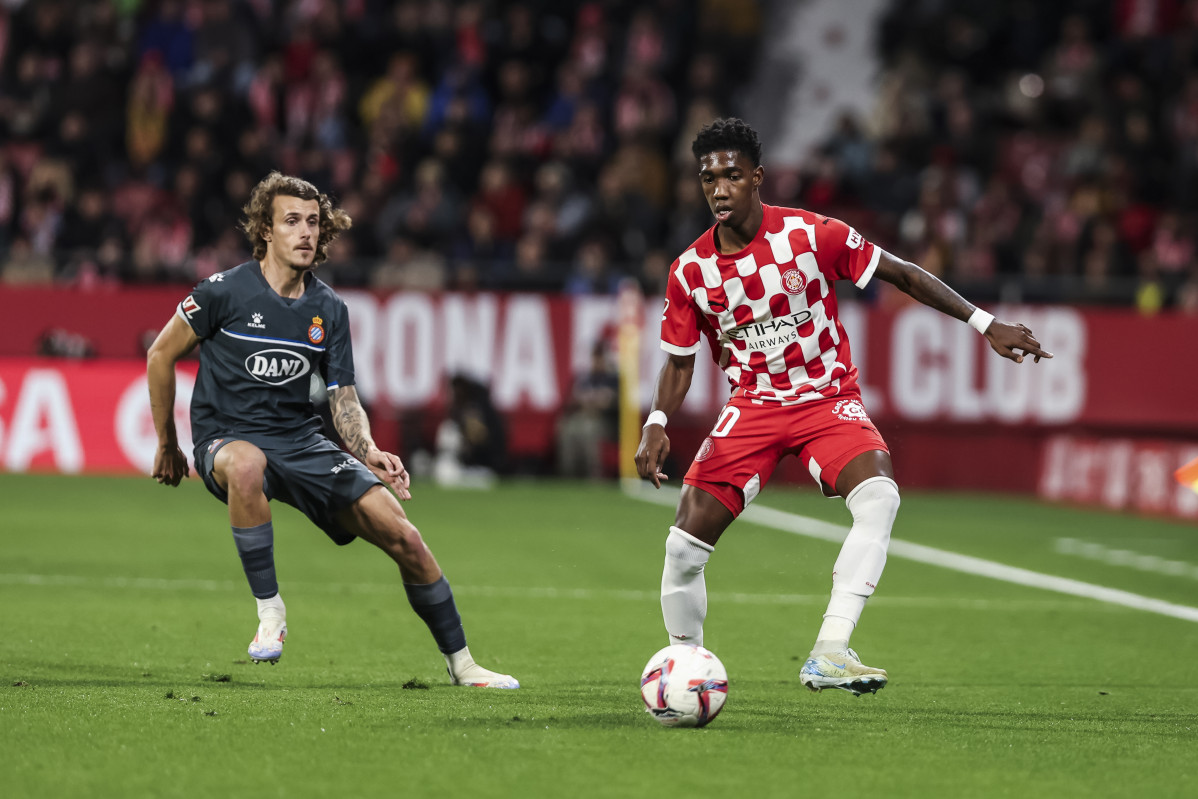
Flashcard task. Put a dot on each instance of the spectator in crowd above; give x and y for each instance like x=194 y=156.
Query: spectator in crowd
x=588 y=421
x=410 y=267
x=592 y=272
x=25 y=266
x=428 y=211
x=531 y=268
x=472 y=440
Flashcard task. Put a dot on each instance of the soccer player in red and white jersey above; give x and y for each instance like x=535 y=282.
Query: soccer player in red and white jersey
x=758 y=288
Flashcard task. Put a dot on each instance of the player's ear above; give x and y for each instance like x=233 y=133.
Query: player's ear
x=758 y=175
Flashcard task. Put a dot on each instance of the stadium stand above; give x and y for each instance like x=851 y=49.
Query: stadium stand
x=1026 y=151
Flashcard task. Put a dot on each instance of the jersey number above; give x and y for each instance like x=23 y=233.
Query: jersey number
x=723 y=425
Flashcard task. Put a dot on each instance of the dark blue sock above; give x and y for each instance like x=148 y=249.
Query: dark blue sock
x=434 y=604
x=256 y=546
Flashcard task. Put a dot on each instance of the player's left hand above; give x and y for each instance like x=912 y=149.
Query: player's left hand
x=390 y=469
x=1005 y=339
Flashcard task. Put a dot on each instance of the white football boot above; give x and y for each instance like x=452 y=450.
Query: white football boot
x=841 y=669
x=464 y=671
x=267 y=646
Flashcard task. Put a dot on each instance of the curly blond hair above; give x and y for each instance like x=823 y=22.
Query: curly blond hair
x=259 y=213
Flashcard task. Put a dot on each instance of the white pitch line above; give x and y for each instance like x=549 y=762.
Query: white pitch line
x=511 y=592
x=1125 y=558
x=150 y=583
x=826 y=531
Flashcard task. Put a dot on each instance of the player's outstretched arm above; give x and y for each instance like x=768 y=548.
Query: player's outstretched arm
x=349 y=417
x=1005 y=338
x=175 y=341
x=673 y=382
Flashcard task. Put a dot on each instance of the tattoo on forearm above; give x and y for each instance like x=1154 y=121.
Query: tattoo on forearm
x=349 y=417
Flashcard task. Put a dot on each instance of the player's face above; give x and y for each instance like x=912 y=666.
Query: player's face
x=730 y=182
x=294 y=232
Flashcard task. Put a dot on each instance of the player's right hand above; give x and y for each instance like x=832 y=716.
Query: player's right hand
x=390 y=469
x=170 y=465
x=651 y=454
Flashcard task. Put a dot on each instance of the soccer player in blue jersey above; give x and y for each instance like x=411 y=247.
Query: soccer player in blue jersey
x=264 y=328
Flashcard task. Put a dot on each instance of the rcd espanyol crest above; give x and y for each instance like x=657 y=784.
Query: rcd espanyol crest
x=316 y=330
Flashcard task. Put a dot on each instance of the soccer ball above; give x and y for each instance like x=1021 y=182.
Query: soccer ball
x=684 y=686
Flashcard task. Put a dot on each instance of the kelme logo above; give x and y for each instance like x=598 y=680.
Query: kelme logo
x=277 y=366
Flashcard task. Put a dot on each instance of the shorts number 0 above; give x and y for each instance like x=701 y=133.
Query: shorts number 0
x=723 y=425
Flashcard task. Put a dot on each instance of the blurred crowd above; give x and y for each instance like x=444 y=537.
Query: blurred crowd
x=1049 y=148
x=526 y=145
x=1025 y=151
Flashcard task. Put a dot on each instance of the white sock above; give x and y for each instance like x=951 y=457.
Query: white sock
x=874 y=504
x=274 y=605
x=459 y=661
x=844 y=609
x=683 y=590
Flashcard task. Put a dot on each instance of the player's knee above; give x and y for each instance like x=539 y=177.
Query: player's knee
x=404 y=542
x=874 y=501
x=244 y=475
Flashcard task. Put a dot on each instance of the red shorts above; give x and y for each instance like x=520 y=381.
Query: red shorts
x=749 y=438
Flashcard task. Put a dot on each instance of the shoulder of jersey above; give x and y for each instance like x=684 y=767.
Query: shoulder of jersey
x=328 y=298
x=704 y=246
x=810 y=216
x=321 y=286
x=236 y=275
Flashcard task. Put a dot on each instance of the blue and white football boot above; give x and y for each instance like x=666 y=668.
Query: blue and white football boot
x=841 y=669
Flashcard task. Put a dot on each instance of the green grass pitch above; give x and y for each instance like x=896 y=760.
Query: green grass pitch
x=126 y=617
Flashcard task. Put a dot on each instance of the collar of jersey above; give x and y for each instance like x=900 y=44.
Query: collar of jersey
x=309 y=281
x=758 y=236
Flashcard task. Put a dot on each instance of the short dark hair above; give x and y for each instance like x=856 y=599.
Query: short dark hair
x=729 y=134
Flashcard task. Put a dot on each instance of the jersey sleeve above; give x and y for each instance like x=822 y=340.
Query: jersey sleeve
x=202 y=308
x=679 y=320
x=339 y=365
x=844 y=254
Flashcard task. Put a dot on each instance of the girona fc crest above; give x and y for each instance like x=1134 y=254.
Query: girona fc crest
x=705 y=451
x=794 y=281
x=850 y=410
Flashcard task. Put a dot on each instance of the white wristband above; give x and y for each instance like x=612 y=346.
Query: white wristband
x=656 y=417
x=980 y=320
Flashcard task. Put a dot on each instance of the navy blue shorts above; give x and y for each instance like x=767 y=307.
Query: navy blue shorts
x=317 y=477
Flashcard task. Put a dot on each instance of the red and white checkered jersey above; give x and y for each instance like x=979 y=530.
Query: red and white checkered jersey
x=769 y=311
